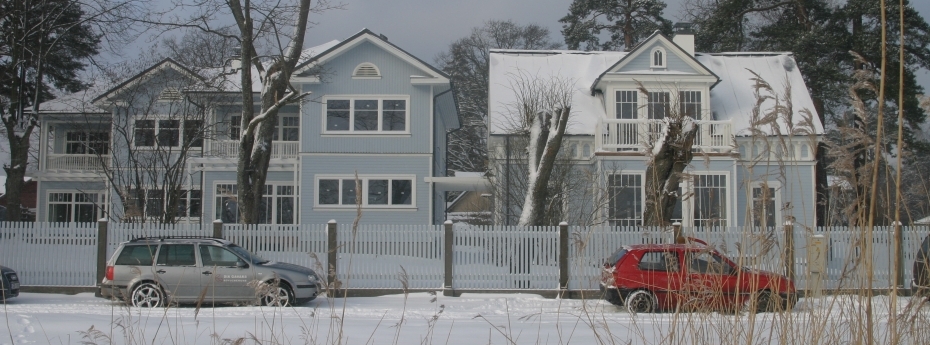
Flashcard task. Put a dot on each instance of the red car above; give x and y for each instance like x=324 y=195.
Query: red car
x=652 y=277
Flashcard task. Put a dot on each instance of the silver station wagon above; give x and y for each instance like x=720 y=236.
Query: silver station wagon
x=150 y=272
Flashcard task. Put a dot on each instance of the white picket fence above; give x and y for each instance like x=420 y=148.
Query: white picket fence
x=483 y=257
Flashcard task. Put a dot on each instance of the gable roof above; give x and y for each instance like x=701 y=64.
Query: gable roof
x=380 y=40
x=640 y=48
x=732 y=98
x=167 y=63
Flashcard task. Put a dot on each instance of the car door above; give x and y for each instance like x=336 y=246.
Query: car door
x=176 y=270
x=660 y=272
x=224 y=275
x=712 y=282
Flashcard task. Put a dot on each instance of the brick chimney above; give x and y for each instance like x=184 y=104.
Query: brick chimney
x=684 y=37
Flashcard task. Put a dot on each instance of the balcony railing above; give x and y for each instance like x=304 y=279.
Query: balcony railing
x=76 y=162
x=230 y=148
x=632 y=135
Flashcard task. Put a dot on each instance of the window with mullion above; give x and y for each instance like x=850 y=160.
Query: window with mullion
x=690 y=104
x=289 y=129
x=169 y=133
x=763 y=206
x=74 y=207
x=625 y=199
x=627 y=104
x=366 y=115
x=87 y=143
x=658 y=105
x=144 y=133
x=376 y=192
x=710 y=200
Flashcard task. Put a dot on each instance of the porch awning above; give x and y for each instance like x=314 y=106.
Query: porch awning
x=470 y=184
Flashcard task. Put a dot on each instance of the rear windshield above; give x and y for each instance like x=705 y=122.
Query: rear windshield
x=136 y=255
x=924 y=248
x=616 y=256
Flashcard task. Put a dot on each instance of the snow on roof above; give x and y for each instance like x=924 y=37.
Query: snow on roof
x=731 y=99
x=734 y=97
x=232 y=82
x=579 y=67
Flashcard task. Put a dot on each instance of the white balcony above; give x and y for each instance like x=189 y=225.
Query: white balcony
x=230 y=148
x=73 y=162
x=632 y=135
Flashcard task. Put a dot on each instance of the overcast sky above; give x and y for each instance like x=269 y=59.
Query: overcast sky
x=426 y=27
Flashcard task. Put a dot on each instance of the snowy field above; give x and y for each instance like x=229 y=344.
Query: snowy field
x=423 y=318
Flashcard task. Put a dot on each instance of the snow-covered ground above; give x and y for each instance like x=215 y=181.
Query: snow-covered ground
x=422 y=318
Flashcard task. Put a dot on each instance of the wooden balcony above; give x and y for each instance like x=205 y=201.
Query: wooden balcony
x=73 y=162
x=632 y=135
x=230 y=148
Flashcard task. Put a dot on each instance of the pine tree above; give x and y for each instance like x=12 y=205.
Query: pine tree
x=43 y=46
x=626 y=22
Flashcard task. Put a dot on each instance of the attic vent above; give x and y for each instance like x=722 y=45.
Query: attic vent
x=170 y=94
x=366 y=70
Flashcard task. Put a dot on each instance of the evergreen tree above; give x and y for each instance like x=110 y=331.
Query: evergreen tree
x=43 y=46
x=625 y=22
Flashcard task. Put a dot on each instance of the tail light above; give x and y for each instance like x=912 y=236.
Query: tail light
x=109 y=272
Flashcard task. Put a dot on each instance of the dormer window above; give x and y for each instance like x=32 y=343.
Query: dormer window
x=366 y=70
x=658 y=58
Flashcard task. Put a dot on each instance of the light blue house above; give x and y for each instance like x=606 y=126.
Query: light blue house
x=374 y=111
x=754 y=159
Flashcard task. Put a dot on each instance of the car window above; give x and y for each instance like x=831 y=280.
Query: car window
x=659 y=261
x=217 y=256
x=924 y=248
x=616 y=256
x=136 y=255
x=707 y=263
x=176 y=255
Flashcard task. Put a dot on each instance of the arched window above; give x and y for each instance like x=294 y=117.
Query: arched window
x=658 y=57
x=366 y=70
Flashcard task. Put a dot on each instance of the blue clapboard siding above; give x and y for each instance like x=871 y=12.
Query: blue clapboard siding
x=395 y=80
x=672 y=61
x=311 y=166
x=797 y=191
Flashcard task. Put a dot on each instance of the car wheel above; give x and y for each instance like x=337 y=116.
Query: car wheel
x=763 y=302
x=148 y=295
x=278 y=296
x=641 y=301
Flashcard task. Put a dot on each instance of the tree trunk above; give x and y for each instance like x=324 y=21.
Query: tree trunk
x=545 y=147
x=664 y=172
x=15 y=172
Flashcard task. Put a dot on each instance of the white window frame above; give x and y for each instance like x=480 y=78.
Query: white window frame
x=652 y=58
x=688 y=208
x=364 y=181
x=776 y=195
x=164 y=201
x=636 y=109
x=274 y=196
x=380 y=98
x=181 y=131
x=279 y=129
x=642 y=196
x=100 y=204
x=86 y=143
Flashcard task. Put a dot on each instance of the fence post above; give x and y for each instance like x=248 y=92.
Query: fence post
x=102 y=235
x=898 y=255
x=218 y=228
x=447 y=258
x=563 y=258
x=676 y=231
x=332 y=254
x=789 y=249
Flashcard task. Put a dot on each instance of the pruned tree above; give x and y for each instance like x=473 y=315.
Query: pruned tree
x=625 y=23
x=467 y=63
x=540 y=113
x=667 y=158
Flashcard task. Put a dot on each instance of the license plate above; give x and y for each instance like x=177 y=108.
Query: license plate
x=14 y=285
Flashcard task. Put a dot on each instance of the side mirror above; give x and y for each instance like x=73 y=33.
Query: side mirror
x=241 y=264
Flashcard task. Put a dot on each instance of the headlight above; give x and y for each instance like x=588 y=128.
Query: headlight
x=313 y=278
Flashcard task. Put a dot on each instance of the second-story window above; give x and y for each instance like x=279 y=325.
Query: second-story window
x=690 y=103
x=166 y=133
x=657 y=107
x=627 y=104
x=288 y=128
x=366 y=115
x=87 y=143
x=235 y=127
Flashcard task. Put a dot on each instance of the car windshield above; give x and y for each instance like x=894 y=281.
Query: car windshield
x=254 y=259
x=612 y=260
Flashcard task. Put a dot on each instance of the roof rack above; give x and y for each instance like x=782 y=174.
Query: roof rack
x=162 y=238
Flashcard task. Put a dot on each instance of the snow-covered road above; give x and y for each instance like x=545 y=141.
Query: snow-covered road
x=423 y=318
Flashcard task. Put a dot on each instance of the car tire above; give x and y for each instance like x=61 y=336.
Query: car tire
x=279 y=295
x=765 y=302
x=641 y=301
x=147 y=295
